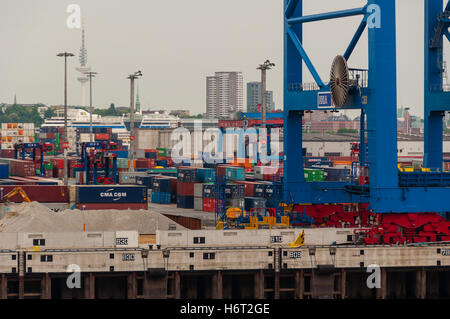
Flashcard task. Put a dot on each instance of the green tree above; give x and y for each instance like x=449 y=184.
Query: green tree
x=22 y=114
x=49 y=113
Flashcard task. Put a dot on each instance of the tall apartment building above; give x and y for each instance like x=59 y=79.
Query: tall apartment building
x=254 y=98
x=224 y=94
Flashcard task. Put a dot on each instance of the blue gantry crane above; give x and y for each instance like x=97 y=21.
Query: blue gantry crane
x=28 y=150
x=374 y=93
x=96 y=156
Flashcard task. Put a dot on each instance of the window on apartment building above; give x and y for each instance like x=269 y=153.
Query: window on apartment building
x=209 y=256
x=199 y=240
x=46 y=258
x=38 y=242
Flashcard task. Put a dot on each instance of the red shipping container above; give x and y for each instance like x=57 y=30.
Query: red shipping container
x=102 y=136
x=40 y=193
x=185 y=189
x=7 y=153
x=173 y=184
x=209 y=205
x=221 y=170
x=58 y=162
x=145 y=163
x=249 y=188
x=117 y=206
x=22 y=168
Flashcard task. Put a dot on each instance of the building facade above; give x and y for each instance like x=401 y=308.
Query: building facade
x=254 y=98
x=224 y=94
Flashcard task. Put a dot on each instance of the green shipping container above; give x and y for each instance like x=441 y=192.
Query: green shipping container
x=48 y=166
x=122 y=163
x=162 y=151
x=162 y=170
x=314 y=175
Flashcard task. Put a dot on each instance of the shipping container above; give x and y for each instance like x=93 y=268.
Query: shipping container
x=259 y=189
x=235 y=173
x=111 y=194
x=249 y=188
x=146 y=180
x=163 y=171
x=161 y=197
x=39 y=193
x=314 y=175
x=206 y=175
x=185 y=189
x=4 y=170
x=234 y=191
x=187 y=174
x=198 y=203
x=130 y=177
x=255 y=203
x=209 y=205
x=162 y=185
x=209 y=190
x=22 y=168
x=198 y=190
x=161 y=151
x=185 y=202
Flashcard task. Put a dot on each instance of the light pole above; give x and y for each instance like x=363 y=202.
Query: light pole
x=264 y=67
x=65 y=55
x=90 y=75
x=132 y=77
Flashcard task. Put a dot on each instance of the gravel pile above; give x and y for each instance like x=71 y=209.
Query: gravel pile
x=34 y=217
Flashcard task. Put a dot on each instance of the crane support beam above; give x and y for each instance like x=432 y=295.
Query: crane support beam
x=295 y=40
x=356 y=38
x=327 y=16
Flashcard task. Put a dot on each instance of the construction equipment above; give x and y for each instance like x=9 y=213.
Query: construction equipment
x=16 y=190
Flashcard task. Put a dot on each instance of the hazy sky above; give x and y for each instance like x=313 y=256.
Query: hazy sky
x=177 y=44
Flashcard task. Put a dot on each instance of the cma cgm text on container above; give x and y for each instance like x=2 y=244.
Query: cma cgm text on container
x=108 y=194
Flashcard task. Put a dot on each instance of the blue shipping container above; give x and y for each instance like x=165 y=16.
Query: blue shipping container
x=185 y=202
x=121 y=154
x=161 y=185
x=209 y=191
x=161 y=198
x=234 y=191
x=152 y=155
x=235 y=173
x=162 y=163
x=206 y=175
x=4 y=170
x=111 y=194
x=187 y=175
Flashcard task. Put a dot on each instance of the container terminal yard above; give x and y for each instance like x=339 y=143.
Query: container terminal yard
x=149 y=212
